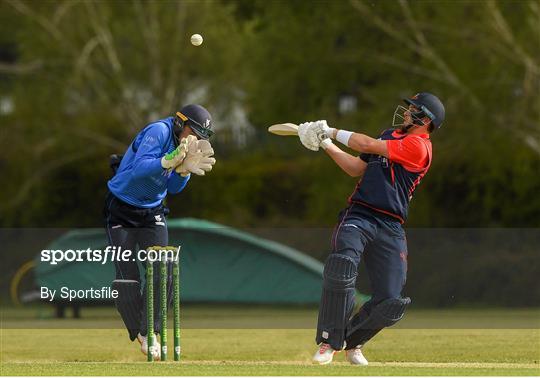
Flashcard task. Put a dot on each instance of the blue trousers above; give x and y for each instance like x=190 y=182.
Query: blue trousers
x=378 y=240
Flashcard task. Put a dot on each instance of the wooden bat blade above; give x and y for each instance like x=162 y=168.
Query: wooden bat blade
x=284 y=129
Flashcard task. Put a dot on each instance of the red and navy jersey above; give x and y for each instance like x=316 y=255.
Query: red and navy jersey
x=388 y=184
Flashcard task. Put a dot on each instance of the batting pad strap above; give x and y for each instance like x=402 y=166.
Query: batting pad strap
x=343 y=137
x=340 y=272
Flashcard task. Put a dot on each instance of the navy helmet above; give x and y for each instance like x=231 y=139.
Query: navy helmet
x=428 y=105
x=197 y=118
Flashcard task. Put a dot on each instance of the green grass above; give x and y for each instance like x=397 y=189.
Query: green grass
x=96 y=345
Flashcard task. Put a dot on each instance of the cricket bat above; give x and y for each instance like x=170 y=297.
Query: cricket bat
x=284 y=129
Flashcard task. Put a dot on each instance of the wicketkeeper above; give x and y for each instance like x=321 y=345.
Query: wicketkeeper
x=370 y=229
x=159 y=161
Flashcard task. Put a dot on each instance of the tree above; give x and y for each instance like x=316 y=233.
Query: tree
x=90 y=74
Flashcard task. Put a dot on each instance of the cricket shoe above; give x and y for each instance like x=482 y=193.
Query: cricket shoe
x=324 y=355
x=156 y=348
x=355 y=356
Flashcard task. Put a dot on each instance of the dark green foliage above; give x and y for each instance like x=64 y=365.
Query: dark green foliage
x=86 y=76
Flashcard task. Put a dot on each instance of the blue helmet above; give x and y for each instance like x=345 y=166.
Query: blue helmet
x=429 y=105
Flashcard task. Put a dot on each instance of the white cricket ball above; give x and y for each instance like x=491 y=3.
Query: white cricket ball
x=196 y=39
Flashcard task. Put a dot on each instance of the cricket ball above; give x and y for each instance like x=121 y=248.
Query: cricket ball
x=196 y=39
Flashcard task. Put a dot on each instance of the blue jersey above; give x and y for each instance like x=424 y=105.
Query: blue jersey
x=388 y=184
x=140 y=180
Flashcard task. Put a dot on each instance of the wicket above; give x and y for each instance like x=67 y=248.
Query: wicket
x=163 y=278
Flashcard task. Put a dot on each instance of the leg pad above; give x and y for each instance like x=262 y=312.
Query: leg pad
x=337 y=299
x=363 y=326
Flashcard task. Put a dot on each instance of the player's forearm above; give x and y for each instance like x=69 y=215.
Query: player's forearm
x=351 y=165
x=356 y=141
x=360 y=142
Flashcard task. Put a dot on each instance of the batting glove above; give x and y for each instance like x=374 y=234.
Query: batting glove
x=311 y=134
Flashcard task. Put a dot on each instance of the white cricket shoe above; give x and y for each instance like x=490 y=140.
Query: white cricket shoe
x=156 y=348
x=355 y=356
x=324 y=354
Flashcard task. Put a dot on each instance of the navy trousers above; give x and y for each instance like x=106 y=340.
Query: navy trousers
x=378 y=240
x=134 y=228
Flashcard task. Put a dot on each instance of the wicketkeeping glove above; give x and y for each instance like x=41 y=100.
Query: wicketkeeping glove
x=177 y=156
x=198 y=159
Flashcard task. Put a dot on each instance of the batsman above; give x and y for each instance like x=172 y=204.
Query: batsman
x=159 y=161
x=390 y=168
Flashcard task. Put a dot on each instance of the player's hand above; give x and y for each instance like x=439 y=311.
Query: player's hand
x=311 y=134
x=199 y=159
x=177 y=156
x=322 y=130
